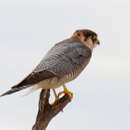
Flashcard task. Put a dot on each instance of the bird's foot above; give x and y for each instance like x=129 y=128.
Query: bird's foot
x=56 y=97
x=55 y=101
x=66 y=92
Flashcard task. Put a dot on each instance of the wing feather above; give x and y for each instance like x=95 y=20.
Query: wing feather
x=65 y=58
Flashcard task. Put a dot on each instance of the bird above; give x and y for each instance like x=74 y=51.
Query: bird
x=63 y=63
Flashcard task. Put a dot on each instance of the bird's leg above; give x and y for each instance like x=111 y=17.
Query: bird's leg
x=56 y=96
x=67 y=92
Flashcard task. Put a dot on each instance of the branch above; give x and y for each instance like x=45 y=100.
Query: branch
x=47 y=111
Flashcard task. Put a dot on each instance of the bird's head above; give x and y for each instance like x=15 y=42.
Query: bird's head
x=88 y=37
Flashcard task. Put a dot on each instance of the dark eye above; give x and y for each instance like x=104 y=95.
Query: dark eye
x=94 y=38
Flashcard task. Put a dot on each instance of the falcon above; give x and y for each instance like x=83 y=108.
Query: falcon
x=63 y=63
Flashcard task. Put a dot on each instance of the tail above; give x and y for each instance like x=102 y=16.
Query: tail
x=27 y=82
x=13 y=90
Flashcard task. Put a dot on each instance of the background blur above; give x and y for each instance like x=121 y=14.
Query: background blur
x=102 y=92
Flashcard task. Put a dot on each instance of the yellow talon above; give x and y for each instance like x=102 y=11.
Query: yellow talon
x=67 y=92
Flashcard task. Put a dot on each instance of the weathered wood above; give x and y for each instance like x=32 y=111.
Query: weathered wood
x=47 y=111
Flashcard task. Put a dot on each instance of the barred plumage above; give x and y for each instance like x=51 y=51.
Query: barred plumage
x=63 y=63
x=66 y=60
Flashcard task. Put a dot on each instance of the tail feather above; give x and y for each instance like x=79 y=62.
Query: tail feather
x=13 y=90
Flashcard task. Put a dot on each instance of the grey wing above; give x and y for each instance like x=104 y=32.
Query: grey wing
x=65 y=58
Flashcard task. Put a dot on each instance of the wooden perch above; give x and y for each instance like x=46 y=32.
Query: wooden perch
x=47 y=111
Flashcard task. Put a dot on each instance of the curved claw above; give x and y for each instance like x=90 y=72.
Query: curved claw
x=67 y=92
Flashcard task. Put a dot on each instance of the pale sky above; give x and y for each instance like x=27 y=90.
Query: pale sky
x=28 y=29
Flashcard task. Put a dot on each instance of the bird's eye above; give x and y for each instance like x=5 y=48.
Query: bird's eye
x=94 y=38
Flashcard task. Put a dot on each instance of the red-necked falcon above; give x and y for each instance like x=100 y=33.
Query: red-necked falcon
x=63 y=63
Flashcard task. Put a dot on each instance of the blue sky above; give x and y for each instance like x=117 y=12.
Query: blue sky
x=101 y=93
